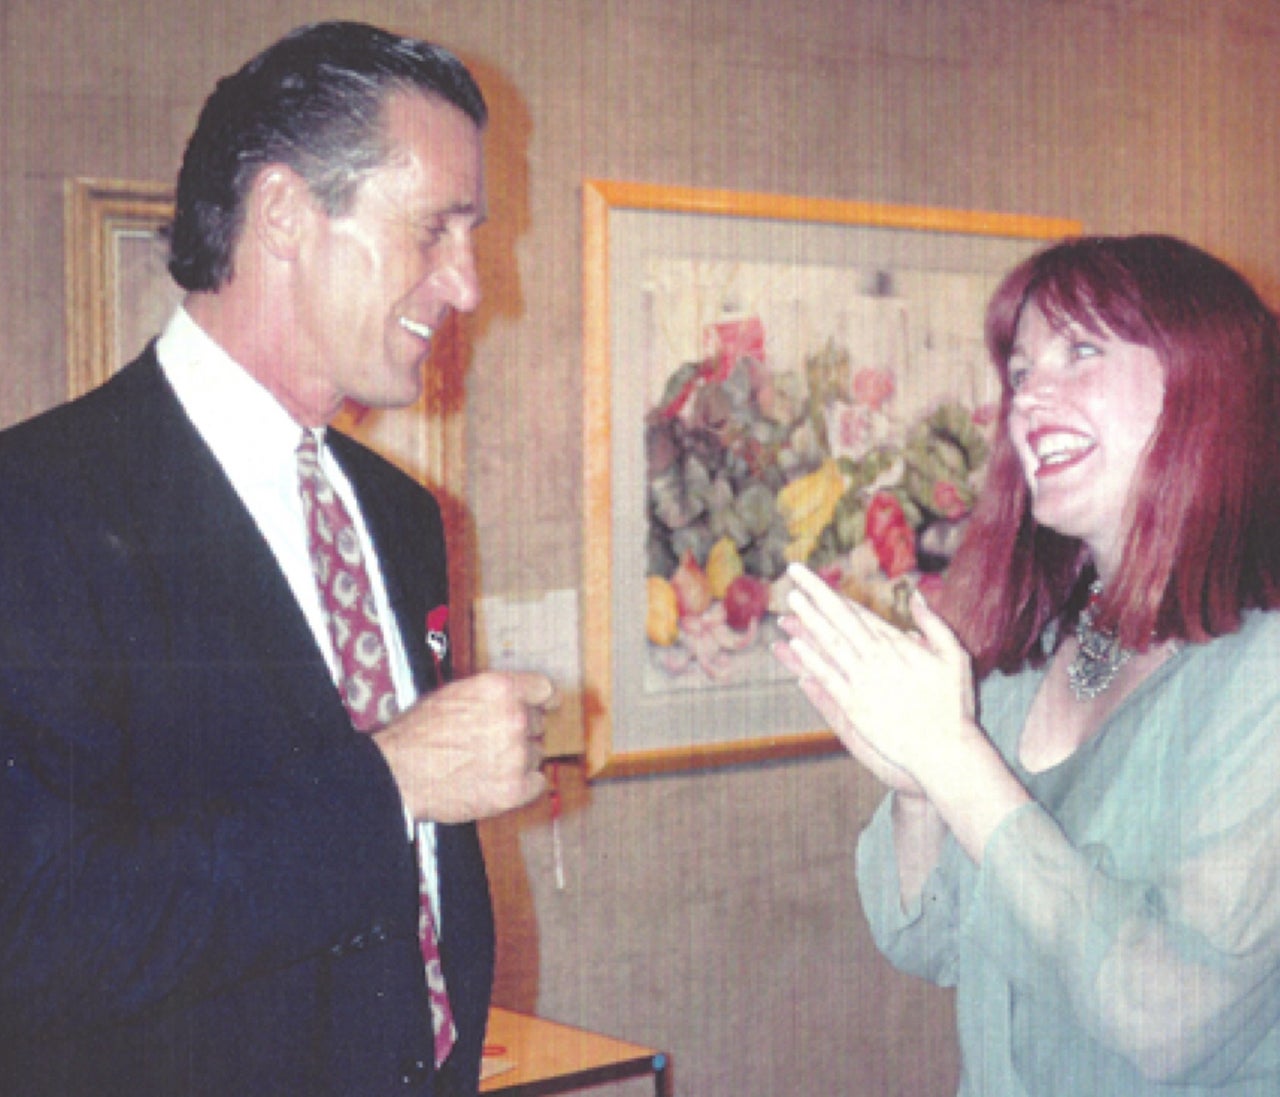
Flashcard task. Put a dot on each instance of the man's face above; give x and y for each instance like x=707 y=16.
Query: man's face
x=374 y=283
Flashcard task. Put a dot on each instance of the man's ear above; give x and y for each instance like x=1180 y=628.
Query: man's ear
x=279 y=208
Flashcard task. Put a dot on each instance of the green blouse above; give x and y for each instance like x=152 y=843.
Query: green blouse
x=1122 y=935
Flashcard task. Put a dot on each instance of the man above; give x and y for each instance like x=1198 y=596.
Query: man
x=207 y=878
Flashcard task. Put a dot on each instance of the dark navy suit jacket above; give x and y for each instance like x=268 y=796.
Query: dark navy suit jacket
x=205 y=881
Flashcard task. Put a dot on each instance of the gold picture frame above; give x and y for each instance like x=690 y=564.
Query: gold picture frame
x=661 y=267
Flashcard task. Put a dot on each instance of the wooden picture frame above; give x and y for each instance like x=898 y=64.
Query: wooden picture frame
x=696 y=295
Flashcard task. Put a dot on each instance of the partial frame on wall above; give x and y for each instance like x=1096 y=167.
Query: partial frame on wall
x=118 y=291
x=734 y=344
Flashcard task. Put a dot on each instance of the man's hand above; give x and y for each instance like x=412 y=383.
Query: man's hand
x=471 y=749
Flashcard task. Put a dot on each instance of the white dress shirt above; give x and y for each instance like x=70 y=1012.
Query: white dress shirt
x=256 y=441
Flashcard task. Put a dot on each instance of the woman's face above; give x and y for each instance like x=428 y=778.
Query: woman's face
x=1084 y=410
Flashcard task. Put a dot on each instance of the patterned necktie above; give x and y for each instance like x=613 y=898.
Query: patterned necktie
x=368 y=691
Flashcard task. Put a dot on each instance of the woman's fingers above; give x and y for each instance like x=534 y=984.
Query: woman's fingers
x=933 y=628
x=827 y=621
x=814 y=665
x=818 y=605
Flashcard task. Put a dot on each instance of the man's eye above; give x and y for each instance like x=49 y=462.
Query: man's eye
x=429 y=236
x=1017 y=377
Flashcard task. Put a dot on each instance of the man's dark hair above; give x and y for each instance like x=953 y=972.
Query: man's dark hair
x=314 y=102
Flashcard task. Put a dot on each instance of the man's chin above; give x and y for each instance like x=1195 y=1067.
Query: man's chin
x=357 y=407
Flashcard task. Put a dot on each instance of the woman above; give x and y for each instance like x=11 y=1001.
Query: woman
x=1088 y=848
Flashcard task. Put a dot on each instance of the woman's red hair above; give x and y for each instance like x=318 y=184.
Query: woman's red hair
x=1203 y=543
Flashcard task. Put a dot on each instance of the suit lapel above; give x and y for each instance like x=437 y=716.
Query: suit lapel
x=186 y=510
x=184 y=507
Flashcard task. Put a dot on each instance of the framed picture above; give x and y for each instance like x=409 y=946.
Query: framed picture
x=767 y=379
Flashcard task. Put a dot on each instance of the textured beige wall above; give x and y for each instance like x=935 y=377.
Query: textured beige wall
x=714 y=914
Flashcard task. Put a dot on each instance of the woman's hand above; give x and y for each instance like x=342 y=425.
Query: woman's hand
x=903 y=703
x=891 y=696
x=879 y=766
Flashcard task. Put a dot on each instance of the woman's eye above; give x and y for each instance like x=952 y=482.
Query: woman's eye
x=1017 y=377
x=1083 y=349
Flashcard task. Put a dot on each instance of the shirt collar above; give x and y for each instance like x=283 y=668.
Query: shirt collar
x=240 y=420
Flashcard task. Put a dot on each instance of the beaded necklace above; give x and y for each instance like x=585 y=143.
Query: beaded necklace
x=1099 y=656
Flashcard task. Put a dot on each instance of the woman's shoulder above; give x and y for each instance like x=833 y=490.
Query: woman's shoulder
x=1227 y=687
x=1257 y=639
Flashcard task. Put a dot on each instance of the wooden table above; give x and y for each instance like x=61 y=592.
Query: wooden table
x=526 y=1056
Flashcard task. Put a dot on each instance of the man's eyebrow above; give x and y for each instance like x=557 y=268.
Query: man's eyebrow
x=479 y=214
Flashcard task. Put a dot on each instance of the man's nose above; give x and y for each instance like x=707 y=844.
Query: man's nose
x=456 y=279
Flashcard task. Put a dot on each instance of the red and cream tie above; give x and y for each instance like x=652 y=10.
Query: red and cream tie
x=367 y=689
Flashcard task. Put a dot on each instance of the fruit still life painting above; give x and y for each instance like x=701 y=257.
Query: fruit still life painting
x=839 y=418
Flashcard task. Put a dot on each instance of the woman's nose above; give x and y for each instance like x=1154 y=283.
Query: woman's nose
x=1036 y=383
